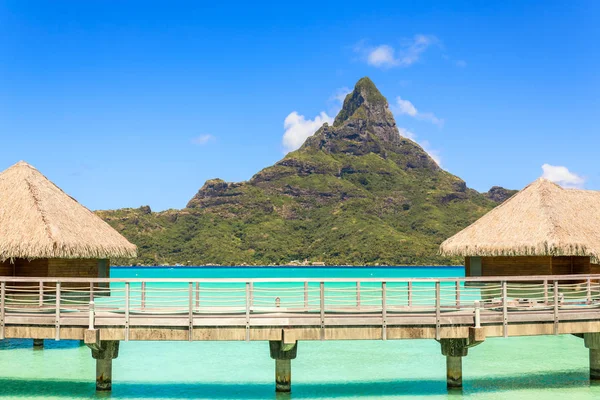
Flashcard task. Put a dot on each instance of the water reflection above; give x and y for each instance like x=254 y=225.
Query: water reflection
x=251 y=391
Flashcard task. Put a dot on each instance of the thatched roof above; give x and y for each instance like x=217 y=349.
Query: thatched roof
x=39 y=220
x=541 y=220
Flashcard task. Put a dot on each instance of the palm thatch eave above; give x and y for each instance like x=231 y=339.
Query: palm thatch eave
x=39 y=220
x=541 y=220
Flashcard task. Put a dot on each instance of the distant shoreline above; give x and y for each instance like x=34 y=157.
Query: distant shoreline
x=286 y=266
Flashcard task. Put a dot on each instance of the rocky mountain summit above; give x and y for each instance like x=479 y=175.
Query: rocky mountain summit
x=356 y=192
x=499 y=194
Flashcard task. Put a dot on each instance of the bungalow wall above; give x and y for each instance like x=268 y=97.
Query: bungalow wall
x=571 y=265
x=56 y=267
x=6 y=268
x=526 y=265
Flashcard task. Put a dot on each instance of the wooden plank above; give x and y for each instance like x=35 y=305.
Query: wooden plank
x=127 y=292
x=383 y=311
x=306 y=294
x=437 y=311
x=504 y=309
x=457 y=293
x=191 y=312
x=322 y=308
x=41 y=294
x=248 y=300
x=2 y=309
x=556 y=317
x=143 y=295
x=57 y=312
x=303 y=319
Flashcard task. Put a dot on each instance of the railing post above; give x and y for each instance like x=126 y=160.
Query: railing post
x=322 y=308
x=41 y=294
x=92 y=315
x=143 y=303
x=306 y=295
x=248 y=299
x=438 y=324
x=191 y=311
x=126 y=311
x=91 y=291
x=358 y=294
x=457 y=294
x=545 y=292
x=589 y=290
x=556 y=307
x=477 y=314
x=410 y=293
x=383 y=311
x=504 y=309
x=2 y=310
x=57 y=314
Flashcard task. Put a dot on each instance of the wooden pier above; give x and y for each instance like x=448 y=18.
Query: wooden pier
x=458 y=313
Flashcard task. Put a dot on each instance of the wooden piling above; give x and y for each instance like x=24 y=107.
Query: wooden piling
x=453 y=372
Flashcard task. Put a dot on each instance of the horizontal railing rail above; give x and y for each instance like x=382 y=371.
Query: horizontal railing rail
x=527 y=278
x=322 y=302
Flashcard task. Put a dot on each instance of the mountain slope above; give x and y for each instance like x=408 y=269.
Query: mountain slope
x=355 y=193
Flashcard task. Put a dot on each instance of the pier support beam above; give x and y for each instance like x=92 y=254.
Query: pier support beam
x=104 y=352
x=592 y=342
x=455 y=350
x=38 y=344
x=283 y=354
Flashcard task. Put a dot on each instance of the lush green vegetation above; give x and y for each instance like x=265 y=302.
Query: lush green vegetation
x=355 y=193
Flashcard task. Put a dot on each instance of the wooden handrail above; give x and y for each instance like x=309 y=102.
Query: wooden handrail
x=487 y=279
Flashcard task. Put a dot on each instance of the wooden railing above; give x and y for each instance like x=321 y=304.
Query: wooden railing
x=127 y=303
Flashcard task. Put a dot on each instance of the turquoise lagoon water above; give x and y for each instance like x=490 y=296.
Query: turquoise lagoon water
x=546 y=367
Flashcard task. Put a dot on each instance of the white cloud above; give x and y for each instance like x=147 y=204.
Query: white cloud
x=382 y=56
x=203 y=139
x=340 y=94
x=407 y=134
x=461 y=63
x=386 y=56
x=435 y=154
x=427 y=116
x=405 y=107
x=298 y=128
x=562 y=176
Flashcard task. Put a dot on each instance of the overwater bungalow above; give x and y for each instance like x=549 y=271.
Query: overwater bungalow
x=542 y=230
x=46 y=233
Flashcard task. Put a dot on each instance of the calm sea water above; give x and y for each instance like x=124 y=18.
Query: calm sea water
x=516 y=368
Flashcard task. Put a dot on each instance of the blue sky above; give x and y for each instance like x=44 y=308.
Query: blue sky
x=130 y=103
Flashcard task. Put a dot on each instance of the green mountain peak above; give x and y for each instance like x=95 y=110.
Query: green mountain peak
x=356 y=192
x=364 y=102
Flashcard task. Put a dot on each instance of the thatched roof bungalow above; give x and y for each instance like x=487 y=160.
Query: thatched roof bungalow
x=542 y=230
x=45 y=232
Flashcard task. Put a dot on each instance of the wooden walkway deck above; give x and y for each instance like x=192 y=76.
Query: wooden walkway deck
x=459 y=313
x=316 y=309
